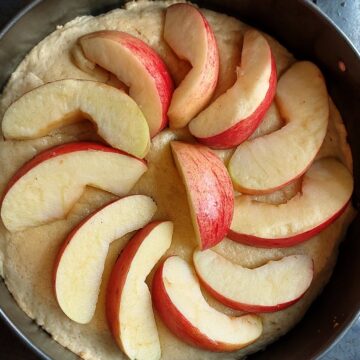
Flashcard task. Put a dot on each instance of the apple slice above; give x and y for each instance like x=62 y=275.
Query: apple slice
x=46 y=187
x=118 y=119
x=178 y=299
x=137 y=65
x=269 y=162
x=128 y=301
x=81 y=259
x=326 y=190
x=196 y=43
x=236 y=114
x=271 y=287
x=209 y=190
x=84 y=64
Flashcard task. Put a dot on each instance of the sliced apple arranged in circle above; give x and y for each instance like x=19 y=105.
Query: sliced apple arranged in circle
x=80 y=262
x=209 y=190
x=138 y=66
x=271 y=287
x=128 y=302
x=178 y=299
x=196 y=43
x=118 y=119
x=269 y=162
x=326 y=190
x=236 y=114
x=46 y=187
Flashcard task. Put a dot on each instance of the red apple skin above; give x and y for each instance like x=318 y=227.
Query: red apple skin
x=60 y=150
x=209 y=84
x=118 y=278
x=241 y=131
x=151 y=61
x=213 y=203
x=285 y=241
x=213 y=63
x=247 y=307
x=177 y=323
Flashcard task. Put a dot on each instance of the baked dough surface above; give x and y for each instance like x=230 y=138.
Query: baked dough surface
x=26 y=258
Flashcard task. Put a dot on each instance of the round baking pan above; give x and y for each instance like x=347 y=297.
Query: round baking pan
x=309 y=34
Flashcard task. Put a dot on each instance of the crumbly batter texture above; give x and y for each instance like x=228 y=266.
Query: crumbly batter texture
x=26 y=258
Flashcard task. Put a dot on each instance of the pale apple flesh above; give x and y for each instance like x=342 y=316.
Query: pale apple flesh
x=128 y=300
x=269 y=162
x=80 y=262
x=195 y=43
x=178 y=300
x=118 y=119
x=138 y=66
x=326 y=190
x=271 y=287
x=46 y=187
x=79 y=59
x=236 y=114
x=209 y=191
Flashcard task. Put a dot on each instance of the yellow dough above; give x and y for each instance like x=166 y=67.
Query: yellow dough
x=26 y=258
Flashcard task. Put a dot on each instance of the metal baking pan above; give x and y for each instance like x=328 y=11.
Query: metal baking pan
x=309 y=34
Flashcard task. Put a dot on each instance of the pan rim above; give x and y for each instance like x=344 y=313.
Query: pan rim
x=347 y=324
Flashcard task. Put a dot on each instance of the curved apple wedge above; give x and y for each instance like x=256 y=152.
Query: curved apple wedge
x=137 y=65
x=118 y=119
x=209 y=190
x=128 y=300
x=46 y=187
x=271 y=287
x=236 y=114
x=178 y=299
x=197 y=44
x=269 y=162
x=81 y=259
x=326 y=190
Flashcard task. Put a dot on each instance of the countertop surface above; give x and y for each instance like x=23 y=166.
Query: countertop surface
x=346 y=14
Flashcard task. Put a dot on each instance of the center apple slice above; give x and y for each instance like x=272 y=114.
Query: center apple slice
x=137 y=65
x=118 y=119
x=46 y=187
x=209 y=190
x=128 y=302
x=271 y=287
x=196 y=43
x=236 y=114
x=269 y=162
x=326 y=190
x=178 y=299
x=81 y=259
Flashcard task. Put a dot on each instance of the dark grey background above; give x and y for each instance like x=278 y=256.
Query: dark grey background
x=346 y=14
